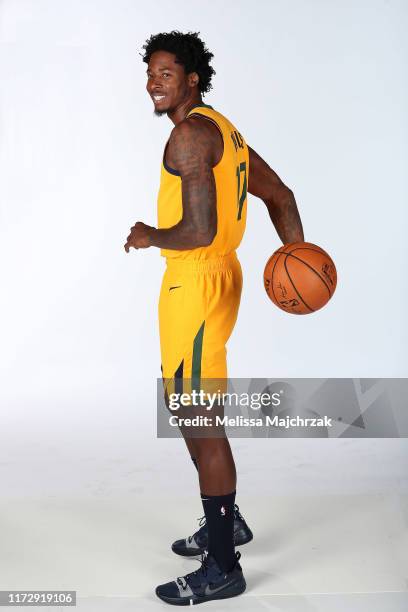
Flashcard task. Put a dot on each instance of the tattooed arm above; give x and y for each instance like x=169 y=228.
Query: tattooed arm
x=264 y=183
x=191 y=152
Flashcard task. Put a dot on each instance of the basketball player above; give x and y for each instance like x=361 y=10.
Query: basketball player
x=207 y=169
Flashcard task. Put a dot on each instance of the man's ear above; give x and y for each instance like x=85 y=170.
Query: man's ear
x=193 y=79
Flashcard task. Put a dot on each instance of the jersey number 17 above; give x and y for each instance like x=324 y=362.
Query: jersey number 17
x=242 y=192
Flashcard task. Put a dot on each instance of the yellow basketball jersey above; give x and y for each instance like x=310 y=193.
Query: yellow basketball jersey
x=231 y=179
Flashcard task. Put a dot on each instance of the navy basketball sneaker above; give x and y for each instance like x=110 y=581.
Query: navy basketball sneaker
x=207 y=583
x=197 y=543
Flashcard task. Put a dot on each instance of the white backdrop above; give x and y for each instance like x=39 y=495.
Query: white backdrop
x=318 y=88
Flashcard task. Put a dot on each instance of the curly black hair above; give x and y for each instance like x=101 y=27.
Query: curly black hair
x=190 y=51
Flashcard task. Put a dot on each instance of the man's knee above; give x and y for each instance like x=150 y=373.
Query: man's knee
x=205 y=448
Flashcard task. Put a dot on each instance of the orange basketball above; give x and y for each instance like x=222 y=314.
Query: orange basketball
x=300 y=277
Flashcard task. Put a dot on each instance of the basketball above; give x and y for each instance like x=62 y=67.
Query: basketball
x=300 y=277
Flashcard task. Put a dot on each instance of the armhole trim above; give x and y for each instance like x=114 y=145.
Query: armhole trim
x=166 y=167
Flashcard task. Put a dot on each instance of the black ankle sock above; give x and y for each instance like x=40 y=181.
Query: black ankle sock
x=194 y=460
x=219 y=514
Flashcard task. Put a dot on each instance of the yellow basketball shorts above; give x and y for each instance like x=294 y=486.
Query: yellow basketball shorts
x=198 y=308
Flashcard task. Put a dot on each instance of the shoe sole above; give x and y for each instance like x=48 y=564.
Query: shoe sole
x=194 y=552
x=232 y=590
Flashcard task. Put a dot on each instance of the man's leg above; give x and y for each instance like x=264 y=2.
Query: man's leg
x=196 y=321
x=194 y=330
x=216 y=465
x=217 y=485
x=189 y=441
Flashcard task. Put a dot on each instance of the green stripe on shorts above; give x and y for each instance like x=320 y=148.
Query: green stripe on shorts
x=197 y=355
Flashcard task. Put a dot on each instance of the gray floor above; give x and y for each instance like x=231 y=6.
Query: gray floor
x=329 y=516
x=323 y=602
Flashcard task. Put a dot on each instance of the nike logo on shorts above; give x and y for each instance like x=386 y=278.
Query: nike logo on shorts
x=176 y=287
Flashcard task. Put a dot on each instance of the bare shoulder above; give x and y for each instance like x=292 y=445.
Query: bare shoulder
x=190 y=131
x=194 y=137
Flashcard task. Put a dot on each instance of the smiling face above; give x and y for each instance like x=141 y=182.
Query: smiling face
x=168 y=84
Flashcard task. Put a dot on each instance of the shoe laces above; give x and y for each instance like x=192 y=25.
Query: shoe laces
x=237 y=513
x=201 y=523
x=183 y=580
